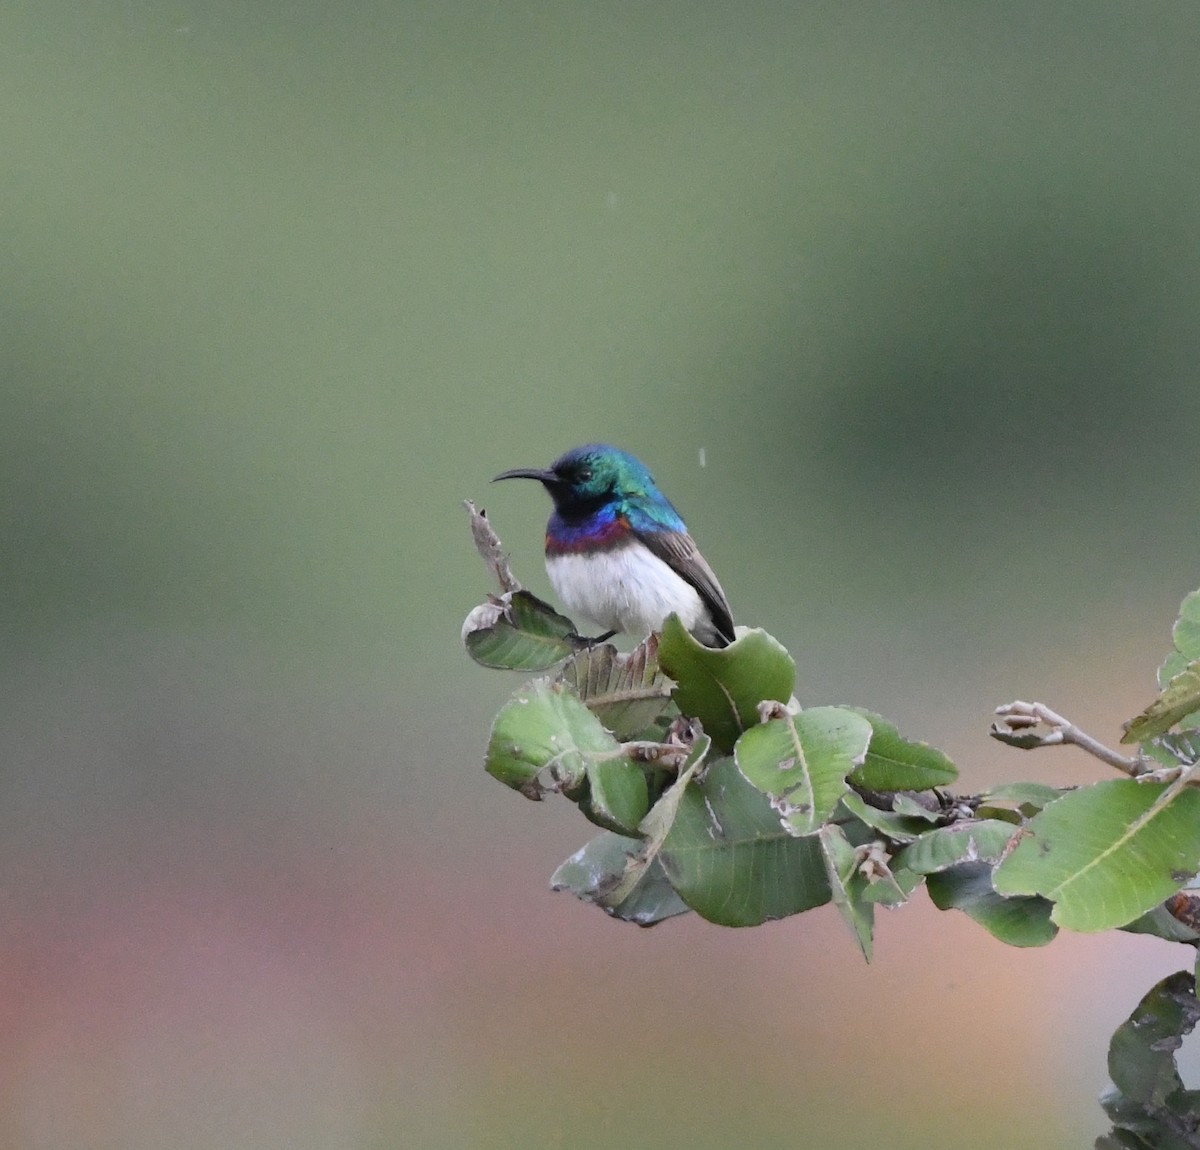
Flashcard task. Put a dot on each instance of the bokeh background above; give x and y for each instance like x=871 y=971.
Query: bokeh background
x=284 y=282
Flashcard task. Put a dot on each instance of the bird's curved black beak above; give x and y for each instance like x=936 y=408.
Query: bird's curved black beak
x=542 y=475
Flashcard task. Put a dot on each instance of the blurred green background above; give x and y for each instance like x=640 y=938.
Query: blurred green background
x=283 y=283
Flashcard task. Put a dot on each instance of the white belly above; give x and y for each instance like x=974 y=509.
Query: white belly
x=628 y=589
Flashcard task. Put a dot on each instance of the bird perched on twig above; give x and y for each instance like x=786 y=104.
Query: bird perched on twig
x=619 y=553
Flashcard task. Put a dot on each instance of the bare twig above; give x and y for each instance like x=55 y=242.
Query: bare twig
x=671 y=754
x=1016 y=728
x=487 y=542
x=667 y=755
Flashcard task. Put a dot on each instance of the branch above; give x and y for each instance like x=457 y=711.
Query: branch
x=487 y=543
x=1015 y=727
x=667 y=755
x=670 y=754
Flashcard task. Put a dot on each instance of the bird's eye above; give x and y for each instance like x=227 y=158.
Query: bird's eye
x=584 y=474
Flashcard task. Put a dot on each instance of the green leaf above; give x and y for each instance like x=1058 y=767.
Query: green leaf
x=908 y=806
x=1137 y=1126
x=1141 y=1055
x=1178 y=699
x=544 y=739
x=1162 y=924
x=848 y=885
x=1107 y=853
x=1023 y=794
x=893 y=889
x=1121 y=1138
x=517 y=631
x=1028 y=798
x=972 y=840
x=894 y=763
x=616 y=796
x=730 y=859
x=1186 y=635
x=801 y=761
x=722 y=688
x=898 y=828
x=656 y=825
x=594 y=873
x=1021 y=921
x=1177 y=748
x=624 y=875
x=658 y=822
x=627 y=693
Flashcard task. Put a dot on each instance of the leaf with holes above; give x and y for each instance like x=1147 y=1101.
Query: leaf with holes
x=627 y=693
x=1178 y=699
x=599 y=873
x=544 y=739
x=1141 y=1055
x=801 y=761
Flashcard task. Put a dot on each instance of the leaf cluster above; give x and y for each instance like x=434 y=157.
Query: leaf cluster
x=1149 y=1105
x=717 y=792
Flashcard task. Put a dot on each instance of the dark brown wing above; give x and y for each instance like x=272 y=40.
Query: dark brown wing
x=679 y=552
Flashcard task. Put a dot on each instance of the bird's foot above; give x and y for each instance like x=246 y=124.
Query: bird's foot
x=585 y=643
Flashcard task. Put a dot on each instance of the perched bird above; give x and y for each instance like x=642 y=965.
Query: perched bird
x=618 y=552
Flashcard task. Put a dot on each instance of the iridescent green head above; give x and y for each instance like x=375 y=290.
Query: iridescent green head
x=590 y=476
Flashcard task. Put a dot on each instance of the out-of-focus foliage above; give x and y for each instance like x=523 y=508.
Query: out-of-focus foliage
x=1150 y=1107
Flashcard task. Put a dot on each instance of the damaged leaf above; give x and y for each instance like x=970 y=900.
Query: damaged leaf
x=1178 y=699
x=627 y=693
x=655 y=827
x=544 y=739
x=599 y=871
x=801 y=762
x=972 y=840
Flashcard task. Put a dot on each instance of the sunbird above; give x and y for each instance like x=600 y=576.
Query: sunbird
x=617 y=551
